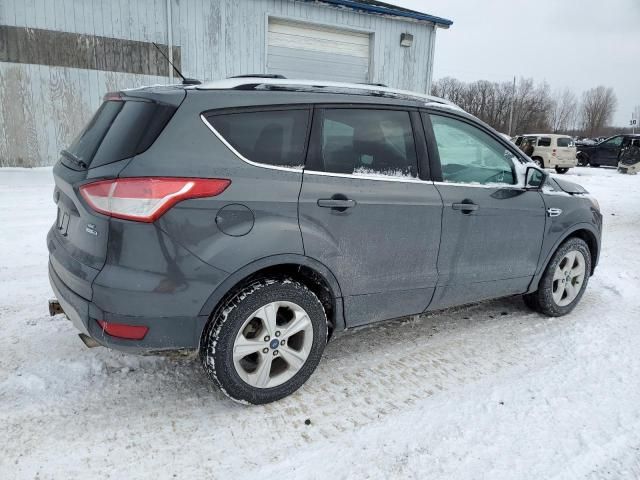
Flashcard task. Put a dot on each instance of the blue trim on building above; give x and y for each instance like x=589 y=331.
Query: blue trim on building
x=386 y=9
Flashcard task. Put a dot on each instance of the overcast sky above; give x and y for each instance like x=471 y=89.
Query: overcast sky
x=568 y=43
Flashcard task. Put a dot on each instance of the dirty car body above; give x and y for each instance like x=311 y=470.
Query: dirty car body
x=164 y=213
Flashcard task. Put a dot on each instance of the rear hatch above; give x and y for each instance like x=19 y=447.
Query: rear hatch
x=566 y=149
x=125 y=125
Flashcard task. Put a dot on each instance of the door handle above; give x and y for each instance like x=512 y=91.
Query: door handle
x=340 y=204
x=465 y=207
x=554 y=212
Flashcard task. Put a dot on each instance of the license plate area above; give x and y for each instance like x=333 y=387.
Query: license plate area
x=62 y=222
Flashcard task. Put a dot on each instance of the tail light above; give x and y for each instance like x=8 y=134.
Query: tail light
x=145 y=199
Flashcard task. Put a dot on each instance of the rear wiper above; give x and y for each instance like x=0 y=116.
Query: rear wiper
x=74 y=159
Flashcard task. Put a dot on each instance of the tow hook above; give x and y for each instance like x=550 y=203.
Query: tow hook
x=54 y=307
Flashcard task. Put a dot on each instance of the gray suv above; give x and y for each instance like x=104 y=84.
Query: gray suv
x=251 y=218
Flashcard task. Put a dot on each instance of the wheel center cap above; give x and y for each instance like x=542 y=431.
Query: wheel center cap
x=274 y=344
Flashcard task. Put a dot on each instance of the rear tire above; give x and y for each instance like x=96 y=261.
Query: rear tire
x=564 y=280
x=264 y=341
x=561 y=170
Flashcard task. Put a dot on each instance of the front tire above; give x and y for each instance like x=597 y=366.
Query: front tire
x=265 y=341
x=538 y=161
x=564 y=280
x=582 y=160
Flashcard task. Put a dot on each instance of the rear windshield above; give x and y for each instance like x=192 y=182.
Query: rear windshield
x=565 y=142
x=118 y=130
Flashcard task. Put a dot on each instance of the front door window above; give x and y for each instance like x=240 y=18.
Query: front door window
x=468 y=155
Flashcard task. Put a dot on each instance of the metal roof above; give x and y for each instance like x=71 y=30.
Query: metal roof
x=381 y=8
x=261 y=83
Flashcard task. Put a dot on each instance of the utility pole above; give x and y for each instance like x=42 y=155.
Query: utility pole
x=513 y=99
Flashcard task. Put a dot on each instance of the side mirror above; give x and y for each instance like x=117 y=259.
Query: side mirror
x=535 y=178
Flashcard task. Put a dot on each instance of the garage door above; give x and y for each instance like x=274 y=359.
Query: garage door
x=299 y=50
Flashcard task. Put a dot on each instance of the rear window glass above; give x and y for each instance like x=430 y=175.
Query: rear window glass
x=119 y=130
x=366 y=142
x=544 y=142
x=565 y=142
x=272 y=137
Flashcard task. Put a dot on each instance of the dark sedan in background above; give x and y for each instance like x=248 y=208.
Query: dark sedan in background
x=605 y=153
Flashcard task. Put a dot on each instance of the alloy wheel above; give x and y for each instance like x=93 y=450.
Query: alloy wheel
x=273 y=344
x=568 y=278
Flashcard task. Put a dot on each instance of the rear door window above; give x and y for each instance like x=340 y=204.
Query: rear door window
x=360 y=141
x=544 y=141
x=271 y=137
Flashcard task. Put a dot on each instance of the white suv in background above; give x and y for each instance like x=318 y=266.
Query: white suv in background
x=550 y=150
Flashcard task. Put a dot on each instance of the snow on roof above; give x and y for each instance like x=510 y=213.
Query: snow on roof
x=382 y=8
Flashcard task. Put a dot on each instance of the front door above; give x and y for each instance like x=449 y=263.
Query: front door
x=366 y=215
x=608 y=151
x=492 y=228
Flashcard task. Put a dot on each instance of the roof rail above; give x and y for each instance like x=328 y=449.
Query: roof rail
x=260 y=75
x=261 y=83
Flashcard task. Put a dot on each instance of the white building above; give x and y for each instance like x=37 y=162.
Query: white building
x=58 y=58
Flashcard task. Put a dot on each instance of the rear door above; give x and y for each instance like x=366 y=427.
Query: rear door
x=543 y=149
x=565 y=149
x=492 y=228
x=367 y=215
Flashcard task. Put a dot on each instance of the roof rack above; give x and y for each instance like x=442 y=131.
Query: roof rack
x=270 y=83
x=260 y=75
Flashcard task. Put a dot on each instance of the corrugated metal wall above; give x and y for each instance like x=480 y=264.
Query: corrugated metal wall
x=43 y=107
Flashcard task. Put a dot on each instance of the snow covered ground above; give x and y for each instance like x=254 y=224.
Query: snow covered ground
x=488 y=391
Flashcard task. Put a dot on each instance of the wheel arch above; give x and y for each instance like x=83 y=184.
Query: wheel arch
x=583 y=157
x=316 y=276
x=584 y=231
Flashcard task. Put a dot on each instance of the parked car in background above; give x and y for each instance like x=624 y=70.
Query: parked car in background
x=550 y=150
x=605 y=153
x=250 y=218
x=630 y=158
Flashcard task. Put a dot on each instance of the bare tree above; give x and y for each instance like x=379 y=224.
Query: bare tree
x=598 y=106
x=535 y=109
x=531 y=107
x=563 y=111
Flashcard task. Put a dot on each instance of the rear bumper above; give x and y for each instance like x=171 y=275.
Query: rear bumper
x=165 y=333
x=75 y=307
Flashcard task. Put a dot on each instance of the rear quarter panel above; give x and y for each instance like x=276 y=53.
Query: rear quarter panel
x=188 y=148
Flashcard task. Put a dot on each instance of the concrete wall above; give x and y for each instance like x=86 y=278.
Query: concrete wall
x=43 y=106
